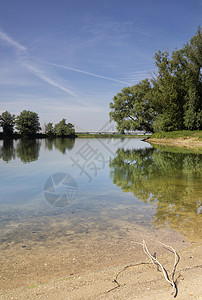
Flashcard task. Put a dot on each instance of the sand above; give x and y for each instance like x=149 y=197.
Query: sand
x=136 y=281
x=179 y=142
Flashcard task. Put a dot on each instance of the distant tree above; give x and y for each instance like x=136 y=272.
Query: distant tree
x=27 y=123
x=7 y=122
x=62 y=129
x=49 y=129
x=131 y=108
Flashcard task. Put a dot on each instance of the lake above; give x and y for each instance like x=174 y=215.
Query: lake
x=70 y=206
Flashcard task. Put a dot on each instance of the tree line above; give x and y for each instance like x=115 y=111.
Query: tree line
x=171 y=100
x=27 y=124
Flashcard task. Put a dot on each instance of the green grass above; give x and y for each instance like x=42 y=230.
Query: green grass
x=177 y=134
x=33 y=286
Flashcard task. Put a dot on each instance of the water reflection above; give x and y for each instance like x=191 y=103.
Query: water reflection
x=7 y=151
x=61 y=144
x=168 y=178
x=28 y=149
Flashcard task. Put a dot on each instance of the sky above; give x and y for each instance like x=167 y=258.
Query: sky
x=68 y=58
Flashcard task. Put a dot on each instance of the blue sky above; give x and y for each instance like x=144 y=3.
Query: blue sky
x=68 y=58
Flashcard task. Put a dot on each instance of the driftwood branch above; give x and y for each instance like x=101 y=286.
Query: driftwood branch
x=154 y=261
x=165 y=273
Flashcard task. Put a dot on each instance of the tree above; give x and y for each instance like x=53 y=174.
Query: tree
x=63 y=129
x=177 y=89
x=131 y=108
x=168 y=93
x=193 y=107
x=49 y=129
x=7 y=122
x=27 y=123
x=173 y=99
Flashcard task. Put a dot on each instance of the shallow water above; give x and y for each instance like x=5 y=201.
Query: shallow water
x=89 y=195
x=106 y=180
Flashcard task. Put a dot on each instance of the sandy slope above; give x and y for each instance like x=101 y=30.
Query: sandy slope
x=188 y=142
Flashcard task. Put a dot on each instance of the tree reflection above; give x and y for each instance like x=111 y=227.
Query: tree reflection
x=169 y=179
x=62 y=144
x=28 y=150
x=7 y=151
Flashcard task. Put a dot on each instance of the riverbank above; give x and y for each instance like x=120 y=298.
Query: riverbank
x=184 y=138
x=179 y=142
x=134 y=280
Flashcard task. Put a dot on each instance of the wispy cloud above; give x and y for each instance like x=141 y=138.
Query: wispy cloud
x=87 y=73
x=22 y=53
x=11 y=42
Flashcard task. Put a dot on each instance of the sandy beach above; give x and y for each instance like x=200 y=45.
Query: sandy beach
x=135 y=281
x=58 y=270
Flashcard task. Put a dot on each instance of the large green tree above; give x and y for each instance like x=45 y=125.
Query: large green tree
x=173 y=100
x=131 y=109
x=168 y=93
x=27 y=123
x=177 y=88
x=193 y=107
x=7 y=122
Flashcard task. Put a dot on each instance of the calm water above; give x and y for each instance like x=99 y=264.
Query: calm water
x=97 y=184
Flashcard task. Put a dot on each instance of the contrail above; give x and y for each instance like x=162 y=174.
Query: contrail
x=87 y=73
x=33 y=68
x=42 y=75
x=11 y=41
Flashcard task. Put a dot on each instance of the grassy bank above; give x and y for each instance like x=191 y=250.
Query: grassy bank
x=183 y=134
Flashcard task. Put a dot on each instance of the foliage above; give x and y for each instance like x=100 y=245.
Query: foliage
x=173 y=99
x=49 y=129
x=7 y=122
x=27 y=123
x=131 y=109
x=62 y=129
